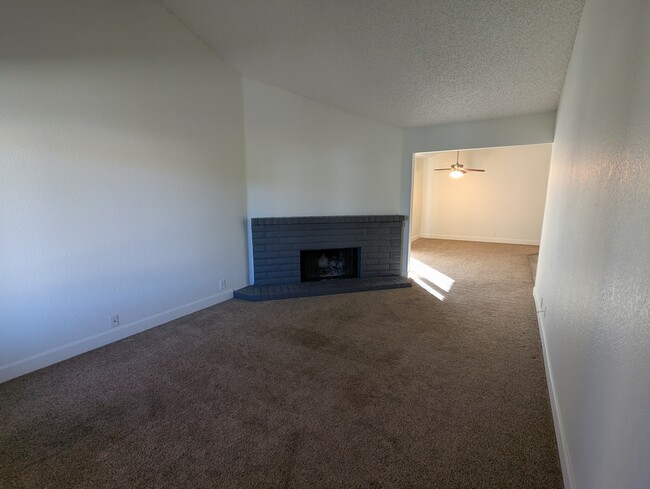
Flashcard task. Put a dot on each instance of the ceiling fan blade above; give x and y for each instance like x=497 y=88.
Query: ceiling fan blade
x=473 y=169
x=442 y=169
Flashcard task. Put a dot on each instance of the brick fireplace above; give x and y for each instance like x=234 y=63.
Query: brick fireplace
x=368 y=247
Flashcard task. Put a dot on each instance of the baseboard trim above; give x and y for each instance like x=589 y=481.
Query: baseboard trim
x=481 y=239
x=560 y=435
x=416 y=237
x=55 y=355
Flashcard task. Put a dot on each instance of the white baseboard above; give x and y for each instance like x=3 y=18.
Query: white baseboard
x=49 y=357
x=416 y=237
x=560 y=436
x=481 y=239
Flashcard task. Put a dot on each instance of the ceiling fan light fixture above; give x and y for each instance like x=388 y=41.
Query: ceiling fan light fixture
x=457 y=170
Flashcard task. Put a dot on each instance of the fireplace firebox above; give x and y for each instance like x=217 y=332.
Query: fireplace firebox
x=329 y=264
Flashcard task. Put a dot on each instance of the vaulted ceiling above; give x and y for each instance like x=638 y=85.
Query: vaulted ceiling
x=402 y=62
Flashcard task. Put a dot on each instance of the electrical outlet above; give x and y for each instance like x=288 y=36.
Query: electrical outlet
x=222 y=284
x=115 y=321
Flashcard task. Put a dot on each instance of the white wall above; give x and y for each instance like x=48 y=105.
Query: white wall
x=305 y=158
x=122 y=177
x=416 y=206
x=505 y=204
x=594 y=265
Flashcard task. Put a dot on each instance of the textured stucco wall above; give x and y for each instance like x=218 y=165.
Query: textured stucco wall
x=594 y=265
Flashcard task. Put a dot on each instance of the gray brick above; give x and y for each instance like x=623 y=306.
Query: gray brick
x=369 y=249
x=262 y=241
x=337 y=225
x=275 y=247
x=265 y=268
x=290 y=240
x=378 y=254
x=264 y=227
x=282 y=261
x=279 y=274
x=322 y=245
x=263 y=255
x=289 y=280
x=275 y=234
x=301 y=232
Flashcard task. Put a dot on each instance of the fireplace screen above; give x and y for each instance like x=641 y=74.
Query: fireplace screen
x=329 y=264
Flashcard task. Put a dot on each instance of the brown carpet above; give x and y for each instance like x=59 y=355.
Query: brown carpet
x=532 y=262
x=376 y=389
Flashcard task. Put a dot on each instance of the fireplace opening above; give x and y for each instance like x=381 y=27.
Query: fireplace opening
x=329 y=264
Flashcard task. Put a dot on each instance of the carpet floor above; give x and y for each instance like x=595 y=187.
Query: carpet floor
x=391 y=388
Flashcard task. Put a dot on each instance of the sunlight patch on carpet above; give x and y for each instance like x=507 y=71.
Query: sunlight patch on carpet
x=429 y=278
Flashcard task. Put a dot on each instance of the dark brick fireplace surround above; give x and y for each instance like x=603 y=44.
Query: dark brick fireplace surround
x=278 y=241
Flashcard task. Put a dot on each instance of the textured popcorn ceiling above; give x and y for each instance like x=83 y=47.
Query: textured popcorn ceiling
x=402 y=62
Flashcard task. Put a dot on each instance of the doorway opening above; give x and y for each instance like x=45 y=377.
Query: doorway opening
x=451 y=202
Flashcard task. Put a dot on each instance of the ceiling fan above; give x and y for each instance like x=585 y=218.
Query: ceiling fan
x=457 y=170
